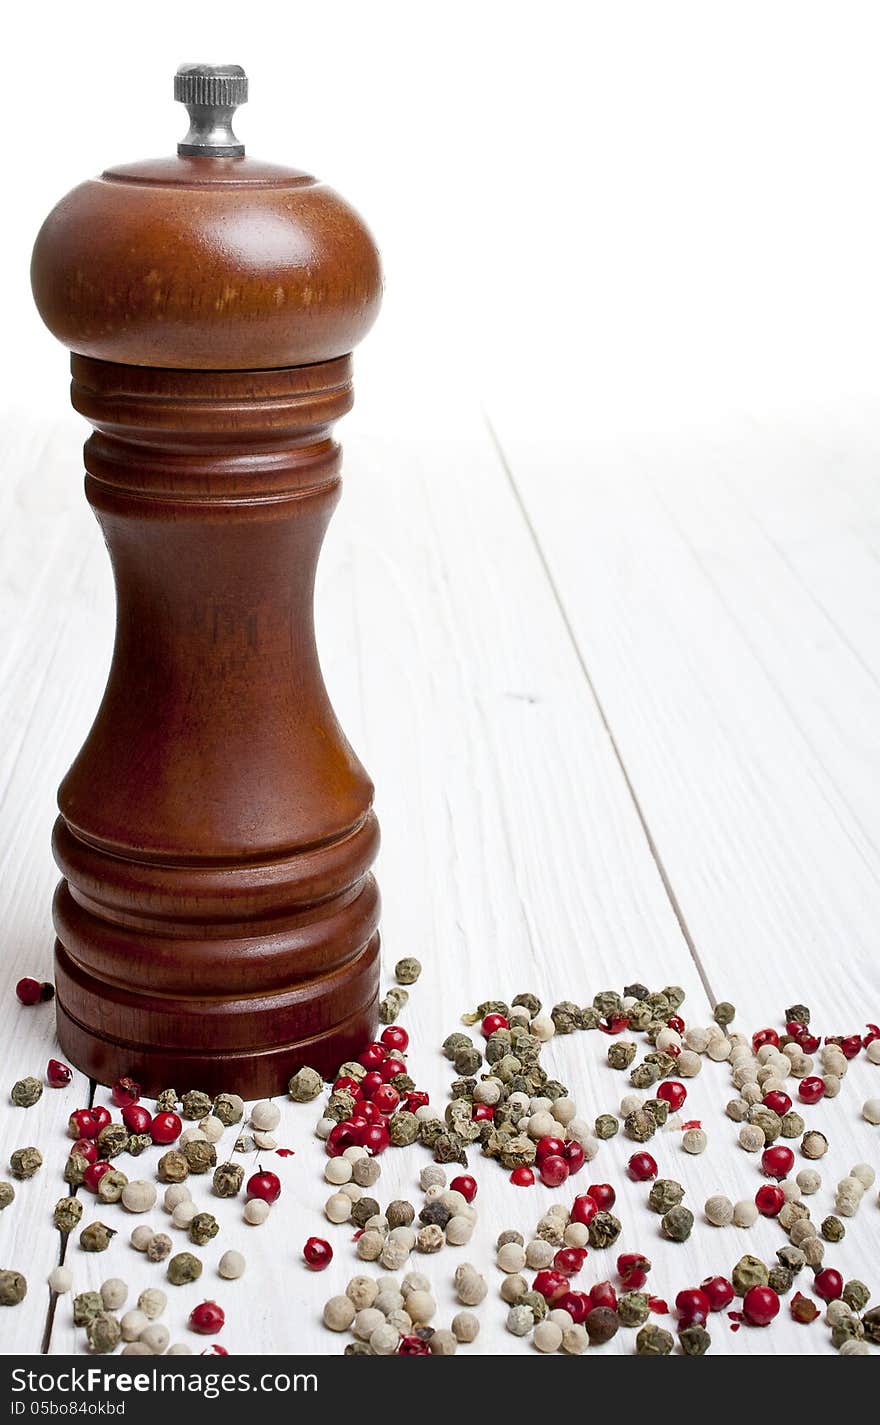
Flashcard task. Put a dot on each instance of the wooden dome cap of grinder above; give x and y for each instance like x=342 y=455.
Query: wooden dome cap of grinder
x=217 y=919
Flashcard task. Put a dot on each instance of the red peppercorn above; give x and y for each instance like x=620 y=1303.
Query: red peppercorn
x=371 y=1083
x=125 y=1091
x=603 y=1195
x=396 y=1038
x=413 y=1346
x=574 y=1155
x=809 y=1043
x=764 y=1036
x=634 y=1280
x=341 y=1136
x=569 y=1260
x=466 y=1185
x=673 y=1050
x=101 y=1115
x=673 y=1092
x=214 y=1350
x=522 y=1177
x=265 y=1185
x=584 y=1209
x=872 y=1034
x=373 y=1056
x=577 y=1304
x=93 y=1175
x=317 y=1253
x=641 y=1167
x=137 y=1118
x=828 y=1284
x=795 y=1029
x=633 y=1270
x=367 y=1113
x=851 y=1045
x=548 y=1147
x=165 y=1128
x=82 y=1124
x=811 y=1089
x=346 y=1084
x=777 y=1162
x=693 y=1306
x=760 y=1305
x=778 y=1101
x=58 y=1075
x=551 y=1285
x=615 y=1025
x=375 y=1138
x=416 y=1099
x=207 y=1318
x=603 y=1294
x=493 y=1022
x=719 y=1291
x=769 y=1200
x=553 y=1170
x=677 y=1023
x=386 y=1099
x=390 y=1068
x=28 y=990
x=86 y=1148
x=483 y=1113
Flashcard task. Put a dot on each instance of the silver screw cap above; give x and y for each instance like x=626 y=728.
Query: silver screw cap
x=211 y=93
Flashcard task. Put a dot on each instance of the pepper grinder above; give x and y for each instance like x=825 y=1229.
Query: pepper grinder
x=217 y=918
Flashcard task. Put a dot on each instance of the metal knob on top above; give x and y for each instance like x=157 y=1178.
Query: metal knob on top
x=211 y=93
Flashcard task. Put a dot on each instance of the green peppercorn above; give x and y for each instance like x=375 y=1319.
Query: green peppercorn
x=621 y=1053
x=694 y=1340
x=96 y=1237
x=797 y=1014
x=229 y=1108
x=833 y=1230
x=172 y=1167
x=195 y=1104
x=633 y=1308
x=644 y=1075
x=780 y=1279
x=403 y=1128
x=112 y=1140
x=675 y=996
x=536 y=1304
x=653 y=1341
x=166 y=1101
x=590 y=1017
x=305 y=1085
x=200 y=1155
x=13 y=1288
x=677 y=1224
x=665 y=1194
x=391 y=1005
x=663 y=1063
x=769 y=1122
x=74 y=1169
x=86 y=1305
x=103 y=1333
x=468 y=1060
x=449 y=1148
x=606 y=1126
x=26 y=1092
x=24 y=1162
x=635 y=991
x=7 y=1194
x=607 y=1004
x=139 y=1143
x=518 y=1152
x=748 y=1272
x=407 y=970
x=566 y=1016
x=227 y=1180
x=792 y=1125
x=871 y=1323
x=110 y=1186
x=604 y=1230
x=202 y=1228
x=658 y=1108
x=856 y=1294
x=849 y=1328
x=724 y=1013
x=640 y=1125
x=182 y=1268
x=639 y=1016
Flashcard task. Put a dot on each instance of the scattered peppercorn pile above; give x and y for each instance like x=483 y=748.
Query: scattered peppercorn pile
x=506 y=1107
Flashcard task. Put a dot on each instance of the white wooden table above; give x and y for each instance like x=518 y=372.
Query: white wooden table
x=621 y=701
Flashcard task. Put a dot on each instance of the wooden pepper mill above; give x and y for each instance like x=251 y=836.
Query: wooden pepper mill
x=217 y=920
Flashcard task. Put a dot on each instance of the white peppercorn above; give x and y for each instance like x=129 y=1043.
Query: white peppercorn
x=421 y=1306
x=719 y=1049
x=231 y=1265
x=213 y=1128
x=265 y=1116
x=520 y=1320
x=872 y=1053
x=366 y=1171
x=629 y=1104
x=809 y=1181
x=863 y=1172
x=745 y=1213
x=366 y=1321
x=465 y=1327
x=542 y=1027
x=184 y=1212
x=338 y=1171
x=415 y=1281
x=139 y=1196
x=136 y=1348
x=384 y=1340
x=687 y=1066
x=339 y=1313
x=719 y=1210
x=401 y=1319
x=791 y=1190
x=132 y=1324
x=141 y=1238
x=694 y=1141
x=192 y=1135
x=324 y=1127
x=575 y=1340
x=751 y=1137
x=871 y=1110
x=547 y=1337
x=855 y=1346
x=488 y=1091
x=389 y=1299
x=801 y=1231
x=152 y=1302
x=576 y=1234
x=814 y=1251
x=255 y=1211
x=174 y=1195
x=432 y=1176
x=459 y=1231
x=156 y=1337
x=60 y=1280
x=541 y=1125
x=538 y=1254
x=510 y=1258
x=513 y=1289
x=180 y=1348
x=370 y=1245
x=114 y=1293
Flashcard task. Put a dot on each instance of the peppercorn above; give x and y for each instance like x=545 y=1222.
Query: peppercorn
x=658 y=1108
x=74 y=1169
x=653 y=1341
x=429 y=1238
x=158 y=1247
x=67 y=1214
x=196 y=1104
x=172 y=1167
x=103 y=1333
x=871 y=1323
x=724 y=1013
x=203 y=1228
x=633 y=1308
x=112 y=1140
x=644 y=1075
x=407 y=970
x=229 y=1108
x=13 y=1287
x=606 y=1125
x=694 y=1340
x=665 y=1193
x=814 y=1144
x=25 y=1162
x=832 y=1229
x=403 y=1128
x=391 y=1005
x=227 y=1180
x=138 y=1196
x=856 y=1295
x=111 y=1186
x=26 y=1092
x=604 y=1230
x=400 y=1214
x=7 y=1194
x=780 y=1279
x=182 y=1268
x=621 y=1053
x=96 y=1237
x=639 y=1126
x=166 y=1101
x=363 y=1210
x=602 y=1325
x=138 y=1143
x=677 y=1224
x=366 y=1171
x=470 y=1286
x=200 y=1155
x=748 y=1272
x=86 y=1305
